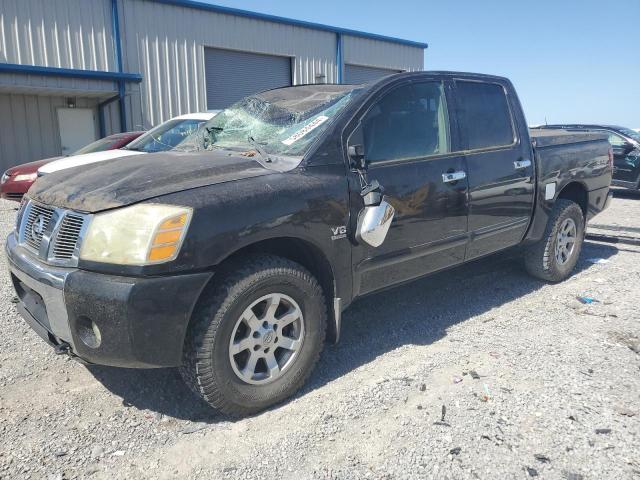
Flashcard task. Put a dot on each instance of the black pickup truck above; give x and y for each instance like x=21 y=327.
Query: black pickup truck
x=234 y=257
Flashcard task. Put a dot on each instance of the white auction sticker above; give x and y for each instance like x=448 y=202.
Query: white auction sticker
x=306 y=129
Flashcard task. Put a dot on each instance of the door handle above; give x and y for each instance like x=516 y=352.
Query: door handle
x=522 y=164
x=453 y=176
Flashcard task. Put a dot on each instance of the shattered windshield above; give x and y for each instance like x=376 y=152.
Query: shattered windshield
x=277 y=122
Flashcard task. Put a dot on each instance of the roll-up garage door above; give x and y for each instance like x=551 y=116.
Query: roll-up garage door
x=231 y=75
x=356 y=74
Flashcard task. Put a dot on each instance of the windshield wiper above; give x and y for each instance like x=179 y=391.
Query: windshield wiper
x=210 y=130
x=259 y=149
x=208 y=138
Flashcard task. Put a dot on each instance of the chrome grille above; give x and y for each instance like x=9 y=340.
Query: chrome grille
x=57 y=235
x=21 y=209
x=38 y=218
x=66 y=240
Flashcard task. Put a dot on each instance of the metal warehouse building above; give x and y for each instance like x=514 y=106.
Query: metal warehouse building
x=72 y=71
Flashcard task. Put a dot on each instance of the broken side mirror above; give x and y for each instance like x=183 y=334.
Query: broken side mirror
x=356 y=157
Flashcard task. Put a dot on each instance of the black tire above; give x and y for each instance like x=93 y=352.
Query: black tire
x=540 y=259
x=206 y=366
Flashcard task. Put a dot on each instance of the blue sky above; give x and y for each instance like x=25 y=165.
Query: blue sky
x=571 y=60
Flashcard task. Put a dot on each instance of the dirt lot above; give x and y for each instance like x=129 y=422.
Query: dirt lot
x=480 y=372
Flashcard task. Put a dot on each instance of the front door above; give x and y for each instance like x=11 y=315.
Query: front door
x=501 y=172
x=77 y=128
x=408 y=140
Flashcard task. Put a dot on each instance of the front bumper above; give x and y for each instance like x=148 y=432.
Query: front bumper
x=105 y=319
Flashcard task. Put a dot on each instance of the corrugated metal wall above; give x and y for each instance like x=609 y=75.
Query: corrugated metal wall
x=29 y=127
x=57 y=33
x=74 y=34
x=134 y=113
x=376 y=53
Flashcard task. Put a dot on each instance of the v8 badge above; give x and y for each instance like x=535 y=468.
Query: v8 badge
x=338 y=232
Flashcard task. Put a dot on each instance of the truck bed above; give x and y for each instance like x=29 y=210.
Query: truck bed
x=547 y=138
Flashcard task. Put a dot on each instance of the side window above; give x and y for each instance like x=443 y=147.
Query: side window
x=408 y=122
x=484 y=114
x=616 y=140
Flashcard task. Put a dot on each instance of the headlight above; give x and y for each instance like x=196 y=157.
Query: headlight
x=4 y=178
x=25 y=176
x=138 y=235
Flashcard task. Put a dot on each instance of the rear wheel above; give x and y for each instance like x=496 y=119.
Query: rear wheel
x=256 y=338
x=555 y=256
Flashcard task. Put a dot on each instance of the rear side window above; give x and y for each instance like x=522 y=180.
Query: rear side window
x=409 y=122
x=484 y=114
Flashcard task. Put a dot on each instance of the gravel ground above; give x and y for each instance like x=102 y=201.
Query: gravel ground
x=480 y=372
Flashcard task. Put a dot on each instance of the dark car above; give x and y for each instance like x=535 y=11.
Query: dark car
x=234 y=256
x=626 y=151
x=17 y=180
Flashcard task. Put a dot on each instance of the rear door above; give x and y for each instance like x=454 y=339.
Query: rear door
x=500 y=169
x=409 y=140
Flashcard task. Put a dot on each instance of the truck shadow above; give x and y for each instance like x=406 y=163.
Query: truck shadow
x=417 y=313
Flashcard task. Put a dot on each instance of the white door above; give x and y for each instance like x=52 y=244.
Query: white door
x=77 y=128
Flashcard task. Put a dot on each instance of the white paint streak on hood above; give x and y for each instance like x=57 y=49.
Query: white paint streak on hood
x=86 y=159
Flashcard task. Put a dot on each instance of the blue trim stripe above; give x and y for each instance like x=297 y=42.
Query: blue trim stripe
x=115 y=25
x=69 y=72
x=288 y=21
x=117 y=47
x=339 y=56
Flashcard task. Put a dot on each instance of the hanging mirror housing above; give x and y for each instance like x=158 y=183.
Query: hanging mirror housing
x=374 y=222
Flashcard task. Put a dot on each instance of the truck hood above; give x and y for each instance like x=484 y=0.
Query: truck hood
x=85 y=159
x=123 y=181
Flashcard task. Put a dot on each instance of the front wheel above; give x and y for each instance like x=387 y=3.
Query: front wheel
x=555 y=256
x=256 y=337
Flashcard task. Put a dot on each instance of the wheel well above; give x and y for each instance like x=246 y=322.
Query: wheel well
x=299 y=251
x=576 y=192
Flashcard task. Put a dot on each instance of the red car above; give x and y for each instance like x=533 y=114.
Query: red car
x=17 y=180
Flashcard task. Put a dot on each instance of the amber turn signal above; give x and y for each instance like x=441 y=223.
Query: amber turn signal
x=166 y=241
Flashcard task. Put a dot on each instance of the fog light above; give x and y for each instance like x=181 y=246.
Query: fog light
x=88 y=332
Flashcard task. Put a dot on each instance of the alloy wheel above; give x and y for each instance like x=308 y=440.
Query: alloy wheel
x=566 y=240
x=266 y=339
